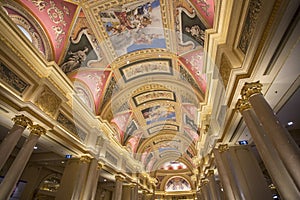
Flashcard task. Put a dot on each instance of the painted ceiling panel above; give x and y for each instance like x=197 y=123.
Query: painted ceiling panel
x=57 y=17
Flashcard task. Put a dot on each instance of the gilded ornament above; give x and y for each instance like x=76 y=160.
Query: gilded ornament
x=250 y=24
x=250 y=89
x=37 y=130
x=223 y=148
x=22 y=120
x=243 y=104
x=48 y=101
x=85 y=159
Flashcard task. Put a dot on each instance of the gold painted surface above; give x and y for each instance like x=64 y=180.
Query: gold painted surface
x=250 y=89
x=48 y=101
x=243 y=104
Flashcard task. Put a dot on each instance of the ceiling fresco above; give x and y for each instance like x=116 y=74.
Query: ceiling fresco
x=137 y=65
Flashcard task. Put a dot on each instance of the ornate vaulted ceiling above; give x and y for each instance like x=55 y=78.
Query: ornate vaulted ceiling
x=136 y=64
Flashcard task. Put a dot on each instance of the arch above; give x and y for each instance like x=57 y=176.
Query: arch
x=176 y=184
x=26 y=21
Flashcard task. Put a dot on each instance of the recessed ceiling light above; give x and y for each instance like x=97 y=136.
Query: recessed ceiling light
x=104 y=180
x=290 y=123
x=35 y=147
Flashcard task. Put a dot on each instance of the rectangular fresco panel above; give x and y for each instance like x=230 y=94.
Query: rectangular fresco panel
x=159 y=113
x=150 y=67
x=157 y=128
x=133 y=27
x=154 y=95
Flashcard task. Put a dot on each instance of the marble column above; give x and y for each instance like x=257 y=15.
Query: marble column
x=134 y=191
x=213 y=188
x=118 y=188
x=244 y=179
x=73 y=179
x=205 y=190
x=283 y=142
x=269 y=154
x=11 y=139
x=96 y=179
x=16 y=169
x=91 y=181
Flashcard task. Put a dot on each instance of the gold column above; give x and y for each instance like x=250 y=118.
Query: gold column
x=270 y=156
x=281 y=138
x=16 y=169
x=73 y=179
x=12 y=138
x=244 y=179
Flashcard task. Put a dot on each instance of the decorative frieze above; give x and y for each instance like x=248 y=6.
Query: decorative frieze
x=10 y=78
x=249 y=24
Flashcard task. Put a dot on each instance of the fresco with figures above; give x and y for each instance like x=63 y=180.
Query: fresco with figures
x=133 y=27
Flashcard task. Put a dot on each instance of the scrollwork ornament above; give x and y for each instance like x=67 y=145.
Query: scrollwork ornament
x=250 y=89
x=22 y=120
x=243 y=104
x=37 y=130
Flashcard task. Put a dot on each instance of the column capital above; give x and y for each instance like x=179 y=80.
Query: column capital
x=37 y=130
x=210 y=172
x=22 y=120
x=243 y=104
x=250 y=89
x=100 y=166
x=85 y=159
x=119 y=177
x=223 y=148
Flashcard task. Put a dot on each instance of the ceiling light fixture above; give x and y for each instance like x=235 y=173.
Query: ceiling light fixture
x=290 y=123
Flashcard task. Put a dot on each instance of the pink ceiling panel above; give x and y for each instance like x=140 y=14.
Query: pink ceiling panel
x=56 y=16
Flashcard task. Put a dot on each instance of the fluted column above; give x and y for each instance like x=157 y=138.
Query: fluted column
x=12 y=138
x=283 y=142
x=245 y=179
x=119 y=187
x=16 y=169
x=269 y=154
x=214 y=190
x=91 y=181
x=73 y=179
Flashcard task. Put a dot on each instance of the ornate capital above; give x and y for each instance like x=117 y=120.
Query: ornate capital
x=37 y=130
x=210 y=172
x=223 y=148
x=100 y=166
x=243 y=104
x=22 y=120
x=85 y=159
x=120 y=177
x=250 y=89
